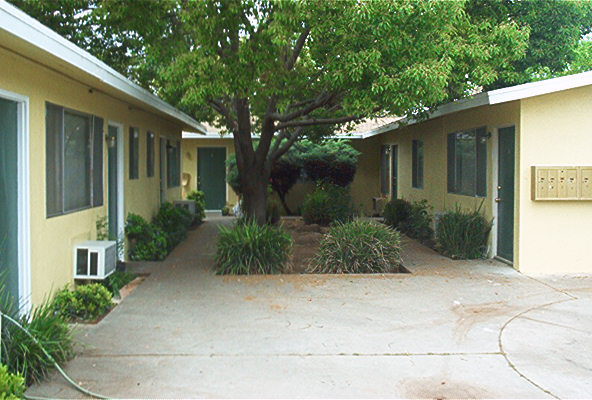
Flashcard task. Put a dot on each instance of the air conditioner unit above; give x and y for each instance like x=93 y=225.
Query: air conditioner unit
x=95 y=259
x=189 y=205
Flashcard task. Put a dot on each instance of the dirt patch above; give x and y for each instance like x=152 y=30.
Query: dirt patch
x=307 y=240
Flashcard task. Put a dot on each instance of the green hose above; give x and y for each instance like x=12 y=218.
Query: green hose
x=66 y=377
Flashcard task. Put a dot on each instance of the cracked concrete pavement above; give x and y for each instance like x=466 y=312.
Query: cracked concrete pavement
x=449 y=329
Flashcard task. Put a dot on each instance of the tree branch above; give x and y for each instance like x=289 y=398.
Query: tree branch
x=281 y=150
x=320 y=101
x=317 y=121
x=221 y=109
x=297 y=49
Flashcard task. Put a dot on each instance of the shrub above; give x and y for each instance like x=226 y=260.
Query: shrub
x=327 y=204
x=249 y=248
x=396 y=211
x=200 y=204
x=117 y=280
x=12 y=386
x=86 y=302
x=147 y=241
x=273 y=211
x=419 y=223
x=463 y=234
x=359 y=246
x=174 y=222
x=332 y=161
x=20 y=353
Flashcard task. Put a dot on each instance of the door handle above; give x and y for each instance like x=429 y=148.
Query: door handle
x=498 y=200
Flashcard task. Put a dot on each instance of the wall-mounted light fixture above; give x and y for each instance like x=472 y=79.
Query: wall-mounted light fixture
x=111 y=141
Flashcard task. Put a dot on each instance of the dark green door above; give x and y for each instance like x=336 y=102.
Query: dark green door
x=211 y=172
x=394 y=171
x=9 y=268
x=113 y=174
x=505 y=194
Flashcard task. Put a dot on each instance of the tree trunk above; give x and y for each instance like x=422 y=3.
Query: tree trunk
x=282 y=197
x=254 y=183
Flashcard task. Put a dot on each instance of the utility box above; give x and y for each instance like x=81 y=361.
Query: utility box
x=555 y=183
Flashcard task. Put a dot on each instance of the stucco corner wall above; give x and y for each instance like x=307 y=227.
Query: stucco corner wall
x=53 y=239
x=555 y=236
x=190 y=159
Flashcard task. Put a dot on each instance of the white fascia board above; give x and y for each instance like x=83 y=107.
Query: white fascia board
x=540 y=88
x=28 y=29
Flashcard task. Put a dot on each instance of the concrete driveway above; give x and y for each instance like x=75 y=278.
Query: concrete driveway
x=448 y=329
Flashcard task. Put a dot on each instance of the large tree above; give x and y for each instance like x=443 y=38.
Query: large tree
x=286 y=69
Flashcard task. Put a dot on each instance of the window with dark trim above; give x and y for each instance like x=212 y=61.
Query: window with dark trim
x=467 y=162
x=173 y=163
x=417 y=164
x=134 y=153
x=150 y=154
x=384 y=169
x=74 y=160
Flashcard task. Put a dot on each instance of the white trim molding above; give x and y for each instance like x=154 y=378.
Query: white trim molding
x=37 y=35
x=24 y=200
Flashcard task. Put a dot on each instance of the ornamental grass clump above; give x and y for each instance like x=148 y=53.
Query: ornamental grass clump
x=248 y=248
x=359 y=247
x=19 y=352
x=463 y=234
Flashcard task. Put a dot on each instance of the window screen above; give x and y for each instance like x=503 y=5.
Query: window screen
x=417 y=164
x=467 y=162
x=150 y=154
x=74 y=160
x=134 y=153
x=384 y=170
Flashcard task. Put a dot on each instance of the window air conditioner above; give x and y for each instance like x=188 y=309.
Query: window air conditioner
x=95 y=259
x=189 y=205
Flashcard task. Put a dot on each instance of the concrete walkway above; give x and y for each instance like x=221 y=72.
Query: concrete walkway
x=449 y=329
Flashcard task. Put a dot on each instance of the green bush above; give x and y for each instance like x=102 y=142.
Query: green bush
x=396 y=211
x=327 y=204
x=463 y=234
x=174 y=222
x=86 y=302
x=19 y=352
x=117 y=280
x=249 y=248
x=332 y=161
x=200 y=204
x=12 y=386
x=419 y=223
x=359 y=247
x=154 y=241
x=273 y=211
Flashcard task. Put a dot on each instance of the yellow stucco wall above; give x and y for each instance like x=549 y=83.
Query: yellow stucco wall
x=52 y=239
x=434 y=135
x=189 y=150
x=555 y=236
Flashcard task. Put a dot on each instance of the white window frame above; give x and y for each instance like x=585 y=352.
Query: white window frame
x=24 y=199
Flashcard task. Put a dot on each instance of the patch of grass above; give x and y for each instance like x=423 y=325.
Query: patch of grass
x=249 y=248
x=463 y=234
x=359 y=246
x=86 y=302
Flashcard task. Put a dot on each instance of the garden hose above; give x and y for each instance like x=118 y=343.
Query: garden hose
x=66 y=377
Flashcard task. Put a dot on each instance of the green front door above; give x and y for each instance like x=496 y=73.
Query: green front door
x=505 y=194
x=9 y=228
x=113 y=174
x=211 y=172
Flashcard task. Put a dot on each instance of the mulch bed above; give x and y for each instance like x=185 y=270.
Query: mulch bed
x=307 y=240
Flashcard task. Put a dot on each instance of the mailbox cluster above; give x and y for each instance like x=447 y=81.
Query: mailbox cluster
x=561 y=183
